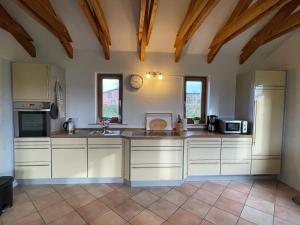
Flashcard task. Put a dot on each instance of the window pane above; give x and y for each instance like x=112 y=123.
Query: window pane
x=110 y=96
x=193 y=99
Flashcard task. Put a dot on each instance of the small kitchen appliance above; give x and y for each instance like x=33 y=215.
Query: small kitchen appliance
x=244 y=127
x=212 y=122
x=230 y=126
x=69 y=126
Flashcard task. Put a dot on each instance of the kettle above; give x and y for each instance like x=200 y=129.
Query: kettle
x=69 y=126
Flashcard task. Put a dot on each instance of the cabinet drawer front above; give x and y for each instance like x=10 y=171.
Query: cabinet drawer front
x=31 y=155
x=196 y=153
x=156 y=173
x=33 y=171
x=161 y=142
x=265 y=166
x=153 y=148
x=69 y=163
x=105 y=141
x=105 y=147
x=105 y=162
x=204 y=141
x=69 y=141
x=235 y=153
x=204 y=168
x=32 y=140
x=239 y=140
x=142 y=157
x=232 y=167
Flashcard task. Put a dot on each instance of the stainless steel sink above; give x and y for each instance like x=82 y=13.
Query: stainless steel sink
x=105 y=133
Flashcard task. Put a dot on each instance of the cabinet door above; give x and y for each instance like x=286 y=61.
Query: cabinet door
x=30 y=82
x=35 y=170
x=266 y=166
x=142 y=173
x=235 y=167
x=69 y=162
x=268 y=126
x=204 y=168
x=105 y=161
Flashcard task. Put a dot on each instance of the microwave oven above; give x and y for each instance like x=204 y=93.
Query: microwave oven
x=230 y=126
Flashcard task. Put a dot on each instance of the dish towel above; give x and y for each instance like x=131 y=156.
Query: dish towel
x=59 y=100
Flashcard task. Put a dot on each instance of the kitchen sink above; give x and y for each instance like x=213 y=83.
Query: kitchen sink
x=105 y=133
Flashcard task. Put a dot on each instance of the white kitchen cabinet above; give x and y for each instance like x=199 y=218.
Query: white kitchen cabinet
x=156 y=159
x=32 y=158
x=105 y=157
x=31 y=82
x=69 y=157
x=203 y=156
x=266 y=165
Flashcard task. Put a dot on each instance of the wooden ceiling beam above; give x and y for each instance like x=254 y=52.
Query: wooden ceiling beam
x=194 y=26
x=143 y=41
x=92 y=20
x=17 y=31
x=241 y=23
x=101 y=19
x=275 y=27
x=143 y=4
x=152 y=14
x=34 y=11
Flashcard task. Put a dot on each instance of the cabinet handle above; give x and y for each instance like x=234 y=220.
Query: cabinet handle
x=212 y=163
x=235 y=163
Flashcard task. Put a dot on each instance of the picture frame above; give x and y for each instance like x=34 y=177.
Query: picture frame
x=158 y=121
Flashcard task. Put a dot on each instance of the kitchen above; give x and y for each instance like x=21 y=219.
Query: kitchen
x=156 y=170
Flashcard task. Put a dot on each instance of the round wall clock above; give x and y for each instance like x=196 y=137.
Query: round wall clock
x=136 y=81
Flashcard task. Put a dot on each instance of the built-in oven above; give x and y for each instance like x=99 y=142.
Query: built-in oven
x=31 y=119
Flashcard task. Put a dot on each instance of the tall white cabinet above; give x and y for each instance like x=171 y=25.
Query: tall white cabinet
x=266 y=91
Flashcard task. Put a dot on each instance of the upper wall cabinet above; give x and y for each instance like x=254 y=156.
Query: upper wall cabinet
x=31 y=82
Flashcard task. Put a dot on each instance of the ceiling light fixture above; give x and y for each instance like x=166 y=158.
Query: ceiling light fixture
x=154 y=75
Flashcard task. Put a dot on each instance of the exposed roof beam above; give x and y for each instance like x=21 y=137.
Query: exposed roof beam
x=143 y=4
x=241 y=23
x=93 y=21
x=280 y=24
x=152 y=14
x=18 y=32
x=43 y=12
x=143 y=41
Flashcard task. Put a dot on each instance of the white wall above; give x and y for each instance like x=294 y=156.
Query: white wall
x=6 y=127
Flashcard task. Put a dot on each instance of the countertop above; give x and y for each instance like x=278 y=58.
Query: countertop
x=142 y=134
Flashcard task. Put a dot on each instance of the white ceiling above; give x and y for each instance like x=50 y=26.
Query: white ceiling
x=122 y=17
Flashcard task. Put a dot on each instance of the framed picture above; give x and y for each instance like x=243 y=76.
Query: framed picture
x=159 y=121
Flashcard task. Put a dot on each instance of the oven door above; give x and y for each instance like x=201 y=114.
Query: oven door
x=32 y=124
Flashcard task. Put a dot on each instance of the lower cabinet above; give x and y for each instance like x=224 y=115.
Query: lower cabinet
x=157 y=159
x=69 y=158
x=265 y=165
x=32 y=158
x=105 y=157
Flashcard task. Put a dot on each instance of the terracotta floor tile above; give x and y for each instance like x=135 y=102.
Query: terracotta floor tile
x=18 y=190
x=145 y=198
x=265 y=195
x=206 y=196
x=97 y=190
x=16 y=212
x=128 y=209
x=159 y=191
x=166 y=223
x=92 y=210
x=260 y=204
x=71 y=218
x=240 y=186
x=278 y=221
x=220 y=217
x=55 y=212
x=256 y=216
x=229 y=205
x=67 y=191
x=235 y=195
x=197 y=184
x=266 y=185
x=286 y=201
x=184 y=217
x=47 y=200
x=31 y=219
x=287 y=214
x=213 y=187
x=113 y=199
x=35 y=191
x=187 y=189
x=130 y=191
x=205 y=222
x=80 y=199
x=20 y=198
x=109 y=218
x=163 y=208
x=146 y=218
x=175 y=197
x=244 y=222
x=221 y=182
x=196 y=207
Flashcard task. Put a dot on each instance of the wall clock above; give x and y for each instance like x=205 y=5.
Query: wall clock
x=136 y=81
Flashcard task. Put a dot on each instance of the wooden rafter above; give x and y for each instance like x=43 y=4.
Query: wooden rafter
x=18 y=32
x=243 y=19
x=148 y=9
x=185 y=33
x=91 y=17
x=280 y=24
x=43 y=12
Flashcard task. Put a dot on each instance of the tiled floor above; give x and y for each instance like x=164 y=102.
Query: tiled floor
x=194 y=203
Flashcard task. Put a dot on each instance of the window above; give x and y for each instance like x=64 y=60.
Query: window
x=110 y=92
x=195 y=98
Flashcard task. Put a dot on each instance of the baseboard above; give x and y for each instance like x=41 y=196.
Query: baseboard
x=157 y=183
x=231 y=177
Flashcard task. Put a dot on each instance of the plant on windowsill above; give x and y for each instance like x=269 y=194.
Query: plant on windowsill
x=196 y=120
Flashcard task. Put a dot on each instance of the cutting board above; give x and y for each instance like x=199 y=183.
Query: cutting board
x=158 y=124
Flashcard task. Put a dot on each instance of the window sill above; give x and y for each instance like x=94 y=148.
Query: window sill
x=201 y=125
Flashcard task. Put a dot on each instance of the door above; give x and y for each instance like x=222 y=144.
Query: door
x=268 y=124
